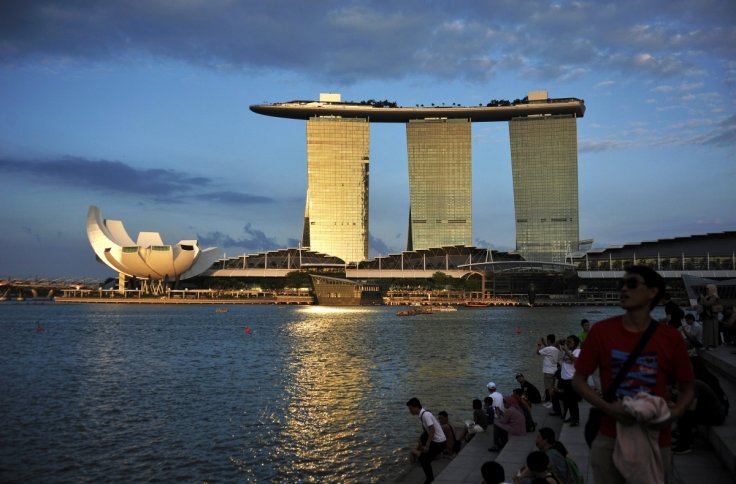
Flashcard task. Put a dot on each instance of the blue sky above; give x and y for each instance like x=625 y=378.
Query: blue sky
x=141 y=108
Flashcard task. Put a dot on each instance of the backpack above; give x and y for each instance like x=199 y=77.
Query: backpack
x=706 y=376
x=574 y=476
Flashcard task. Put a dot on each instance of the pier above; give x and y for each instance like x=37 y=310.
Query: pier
x=186 y=296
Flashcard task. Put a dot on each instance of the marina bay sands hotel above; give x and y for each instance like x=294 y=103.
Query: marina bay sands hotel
x=543 y=137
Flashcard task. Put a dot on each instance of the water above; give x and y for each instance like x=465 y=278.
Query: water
x=260 y=393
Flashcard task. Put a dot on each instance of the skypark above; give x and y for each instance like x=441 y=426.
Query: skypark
x=402 y=114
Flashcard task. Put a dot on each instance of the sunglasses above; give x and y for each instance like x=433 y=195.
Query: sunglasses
x=629 y=282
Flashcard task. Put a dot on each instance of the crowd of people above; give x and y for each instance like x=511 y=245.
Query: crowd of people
x=637 y=371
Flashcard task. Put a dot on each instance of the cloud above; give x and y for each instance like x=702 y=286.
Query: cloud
x=350 y=41
x=377 y=246
x=104 y=175
x=664 y=89
x=597 y=145
x=230 y=197
x=160 y=185
x=483 y=243
x=254 y=240
x=32 y=233
x=724 y=135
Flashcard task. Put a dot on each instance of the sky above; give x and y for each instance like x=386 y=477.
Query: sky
x=141 y=108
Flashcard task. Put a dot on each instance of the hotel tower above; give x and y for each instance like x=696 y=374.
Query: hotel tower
x=440 y=176
x=543 y=137
x=336 y=215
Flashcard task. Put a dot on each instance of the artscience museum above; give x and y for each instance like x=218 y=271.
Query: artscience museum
x=148 y=258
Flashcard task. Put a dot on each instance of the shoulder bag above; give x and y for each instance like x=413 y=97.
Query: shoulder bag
x=596 y=415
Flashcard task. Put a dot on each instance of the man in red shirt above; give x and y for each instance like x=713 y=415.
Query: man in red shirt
x=663 y=359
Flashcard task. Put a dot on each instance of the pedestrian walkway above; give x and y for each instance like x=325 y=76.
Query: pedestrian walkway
x=702 y=465
x=713 y=459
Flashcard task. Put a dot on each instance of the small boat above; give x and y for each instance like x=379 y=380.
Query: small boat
x=477 y=304
x=444 y=309
x=414 y=311
x=221 y=310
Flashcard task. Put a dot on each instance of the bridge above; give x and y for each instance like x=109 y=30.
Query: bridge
x=21 y=289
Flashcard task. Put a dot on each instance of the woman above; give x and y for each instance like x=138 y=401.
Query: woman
x=570 y=353
x=709 y=308
x=508 y=421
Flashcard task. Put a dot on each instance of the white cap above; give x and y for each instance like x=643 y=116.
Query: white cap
x=491 y=385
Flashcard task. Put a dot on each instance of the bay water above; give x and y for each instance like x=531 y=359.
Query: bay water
x=123 y=393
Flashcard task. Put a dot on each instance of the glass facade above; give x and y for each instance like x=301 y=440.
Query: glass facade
x=440 y=183
x=337 y=193
x=544 y=164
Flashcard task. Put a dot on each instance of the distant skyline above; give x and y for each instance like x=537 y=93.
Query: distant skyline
x=141 y=108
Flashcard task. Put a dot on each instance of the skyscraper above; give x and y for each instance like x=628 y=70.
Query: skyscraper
x=440 y=188
x=543 y=135
x=336 y=215
x=544 y=165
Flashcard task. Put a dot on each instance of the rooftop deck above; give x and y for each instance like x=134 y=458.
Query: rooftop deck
x=403 y=114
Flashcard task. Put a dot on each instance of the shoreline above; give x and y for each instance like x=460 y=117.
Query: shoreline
x=303 y=301
x=108 y=300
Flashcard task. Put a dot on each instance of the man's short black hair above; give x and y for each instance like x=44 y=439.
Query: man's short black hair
x=414 y=402
x=443 y=414
x=492 y=472
x=537 y=461
x=583 y=322
x=547 y=434
x=651 y=279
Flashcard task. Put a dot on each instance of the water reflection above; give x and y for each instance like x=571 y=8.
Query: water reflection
x=329 y=372
x=309 y=395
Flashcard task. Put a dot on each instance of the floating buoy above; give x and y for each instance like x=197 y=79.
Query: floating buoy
x=518 y=331
x=247 y=329
x=39 y=328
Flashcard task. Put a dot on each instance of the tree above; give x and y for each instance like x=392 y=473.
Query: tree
x=440 y=280
x=297 y=279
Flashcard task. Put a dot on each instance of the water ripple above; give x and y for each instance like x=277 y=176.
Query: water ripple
x=121 y=394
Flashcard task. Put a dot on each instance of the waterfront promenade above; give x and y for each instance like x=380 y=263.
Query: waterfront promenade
x=210 y=297
x=713 y=459
x=149 y=300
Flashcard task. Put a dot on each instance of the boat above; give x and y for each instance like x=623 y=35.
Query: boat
x=477 y=304
x=414 y=311
x=333 y=291
x=444 y=309
x=221 y=310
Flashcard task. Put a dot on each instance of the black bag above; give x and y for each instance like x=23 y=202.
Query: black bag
x=592 y=425
x=595 y=417
x=703 y=374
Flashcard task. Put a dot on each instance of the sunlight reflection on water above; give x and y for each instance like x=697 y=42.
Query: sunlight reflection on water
x=285 y=394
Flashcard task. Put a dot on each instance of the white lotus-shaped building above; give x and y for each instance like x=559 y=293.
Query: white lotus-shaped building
x=147 y=258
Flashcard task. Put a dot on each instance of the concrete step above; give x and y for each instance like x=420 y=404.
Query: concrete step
x=465 y=467
x=513 y=456
x=722 y=438
x=712 y=459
